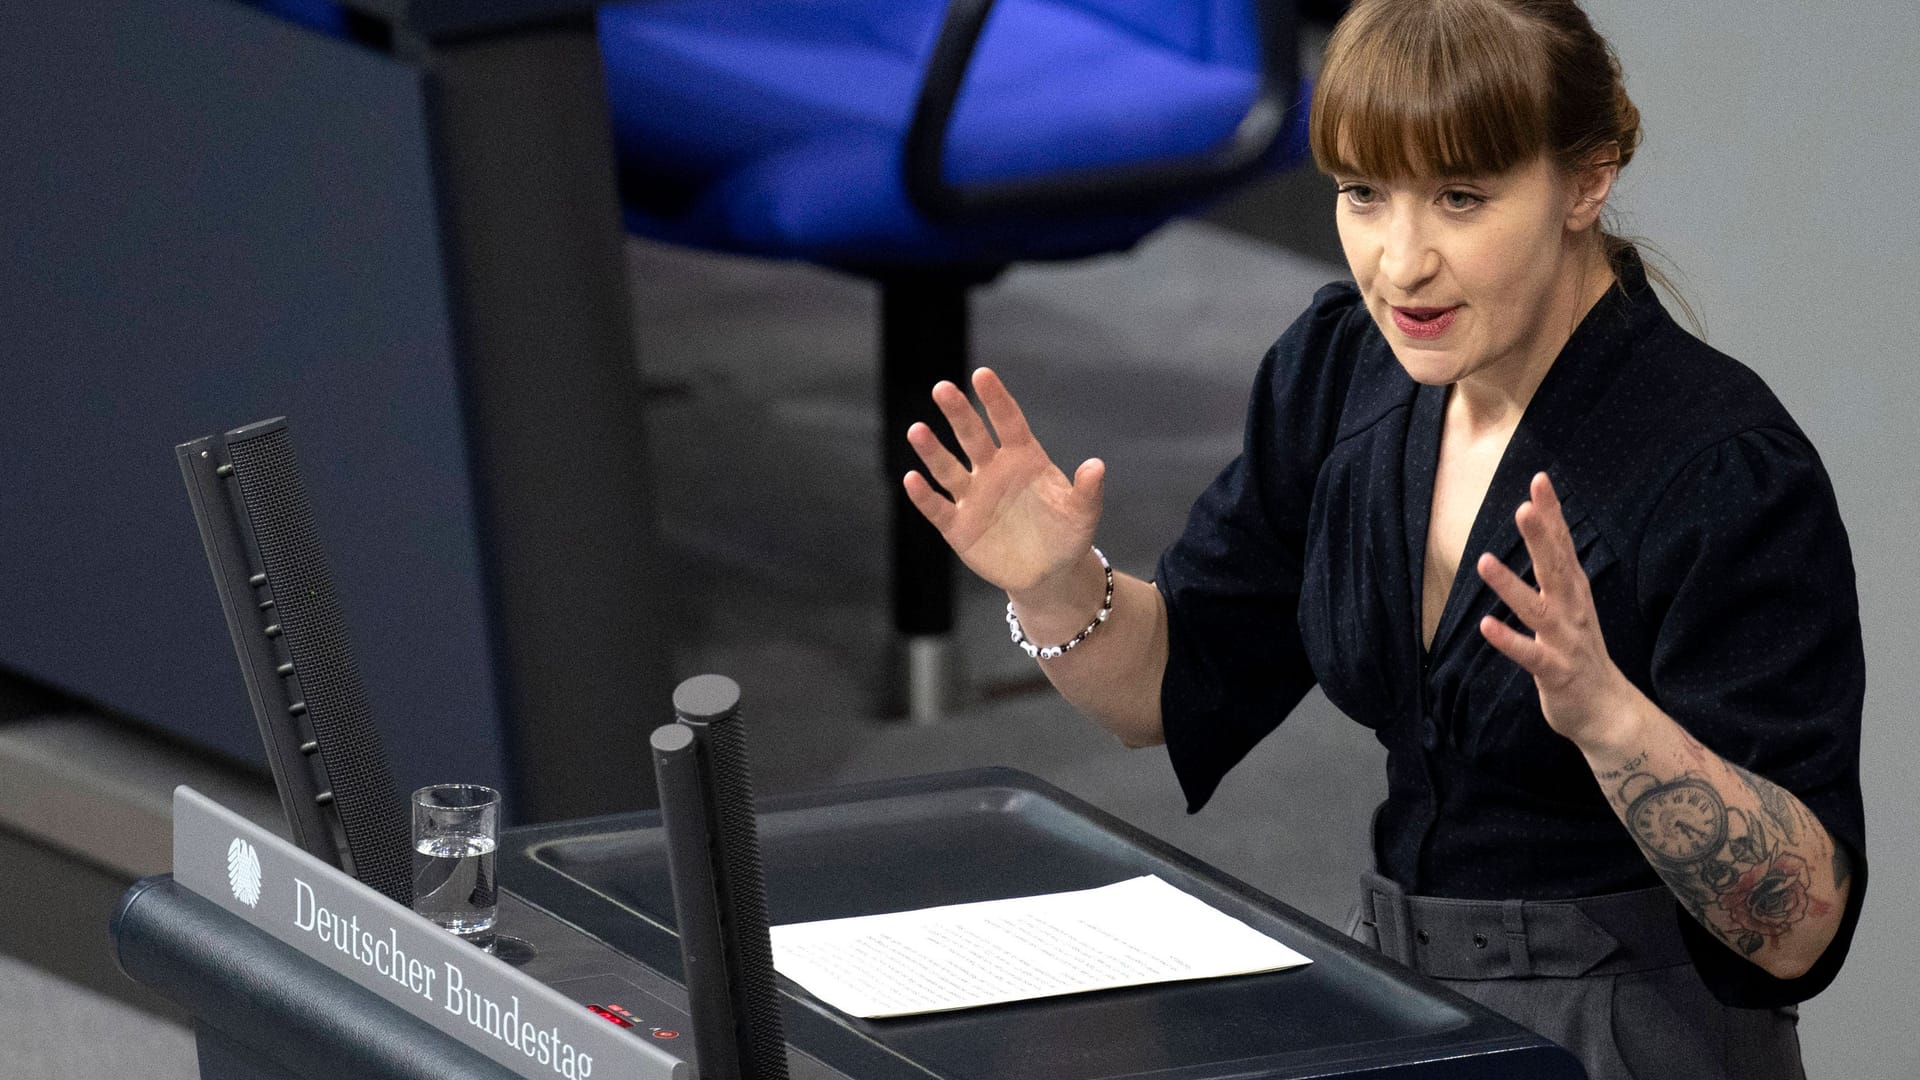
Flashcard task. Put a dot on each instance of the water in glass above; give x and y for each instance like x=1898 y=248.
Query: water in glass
x=453 y=884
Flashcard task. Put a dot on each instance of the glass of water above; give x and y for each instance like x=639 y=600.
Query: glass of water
x=456 y=829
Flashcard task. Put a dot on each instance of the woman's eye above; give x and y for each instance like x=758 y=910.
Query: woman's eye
x=1358 y=194
x=1461 y=200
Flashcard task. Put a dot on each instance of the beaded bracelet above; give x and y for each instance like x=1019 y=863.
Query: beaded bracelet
x=1048 y=652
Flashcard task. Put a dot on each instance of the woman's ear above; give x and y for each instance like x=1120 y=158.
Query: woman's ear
x=1592 y=183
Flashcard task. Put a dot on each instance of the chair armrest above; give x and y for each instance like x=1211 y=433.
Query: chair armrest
x=1236 y=158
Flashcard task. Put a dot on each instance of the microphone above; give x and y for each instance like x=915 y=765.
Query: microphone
x=719 y=891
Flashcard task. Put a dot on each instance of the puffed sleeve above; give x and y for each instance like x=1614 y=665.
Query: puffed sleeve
x=1746 y=573
x=1235 y=665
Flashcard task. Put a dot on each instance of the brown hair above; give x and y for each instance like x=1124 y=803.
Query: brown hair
x=1459 y=87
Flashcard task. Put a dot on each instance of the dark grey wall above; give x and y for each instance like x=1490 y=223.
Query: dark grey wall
x=211 y=218
x=1779 y=175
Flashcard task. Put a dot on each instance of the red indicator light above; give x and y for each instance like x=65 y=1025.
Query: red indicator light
x=665 y=1033
x=609 y=1017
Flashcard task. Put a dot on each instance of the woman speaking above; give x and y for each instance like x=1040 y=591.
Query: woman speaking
x=1581 y=573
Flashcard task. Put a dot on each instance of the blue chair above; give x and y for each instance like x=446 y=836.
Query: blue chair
x=927 y=146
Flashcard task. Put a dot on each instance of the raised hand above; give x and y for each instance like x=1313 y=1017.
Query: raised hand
x=1581 y=690
x=1012 y=516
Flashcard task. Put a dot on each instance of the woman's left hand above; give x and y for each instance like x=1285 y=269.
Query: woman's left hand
x=1582 y=693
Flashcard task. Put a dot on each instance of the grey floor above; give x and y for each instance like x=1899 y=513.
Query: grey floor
x=763 y=425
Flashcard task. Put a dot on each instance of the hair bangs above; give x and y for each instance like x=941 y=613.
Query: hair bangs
x=1428 y=90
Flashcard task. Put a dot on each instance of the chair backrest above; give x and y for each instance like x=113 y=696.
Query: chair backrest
x=1217 y=31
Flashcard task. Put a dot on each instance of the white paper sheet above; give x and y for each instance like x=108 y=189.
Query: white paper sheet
x=964 y=955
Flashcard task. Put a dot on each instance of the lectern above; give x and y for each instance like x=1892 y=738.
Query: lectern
x=592 y=901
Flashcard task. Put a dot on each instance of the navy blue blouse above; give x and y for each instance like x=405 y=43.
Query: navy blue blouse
x=1720 y=570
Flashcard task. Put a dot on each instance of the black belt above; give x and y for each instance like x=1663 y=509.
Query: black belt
x=1516 y=939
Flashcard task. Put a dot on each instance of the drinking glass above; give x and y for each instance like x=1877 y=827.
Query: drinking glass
x=456 y=830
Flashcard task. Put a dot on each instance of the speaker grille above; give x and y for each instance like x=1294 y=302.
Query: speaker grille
x=758 y=1002
x=371 y=815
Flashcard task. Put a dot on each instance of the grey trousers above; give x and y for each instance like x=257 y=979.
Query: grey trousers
x=1606 y=977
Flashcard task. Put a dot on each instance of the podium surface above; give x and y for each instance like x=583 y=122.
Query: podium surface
x=586 y=918
x=995 y=833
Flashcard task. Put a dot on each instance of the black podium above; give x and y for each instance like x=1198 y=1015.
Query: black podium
x=591 y=899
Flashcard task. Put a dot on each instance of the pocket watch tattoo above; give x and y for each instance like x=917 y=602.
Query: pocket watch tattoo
x=1727 y=866
x=1680 y=822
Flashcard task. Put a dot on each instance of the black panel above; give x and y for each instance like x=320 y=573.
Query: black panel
x=417 y=257
x=213 y=216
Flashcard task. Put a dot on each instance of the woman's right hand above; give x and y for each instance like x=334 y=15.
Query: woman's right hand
x=1012 y=517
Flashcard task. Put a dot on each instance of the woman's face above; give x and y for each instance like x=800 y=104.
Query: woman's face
x=1471 y=276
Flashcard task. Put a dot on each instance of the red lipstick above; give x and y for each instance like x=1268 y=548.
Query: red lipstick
x=1423 y=322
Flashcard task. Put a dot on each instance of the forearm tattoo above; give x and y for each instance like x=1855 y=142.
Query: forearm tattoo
x=1747 y=875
